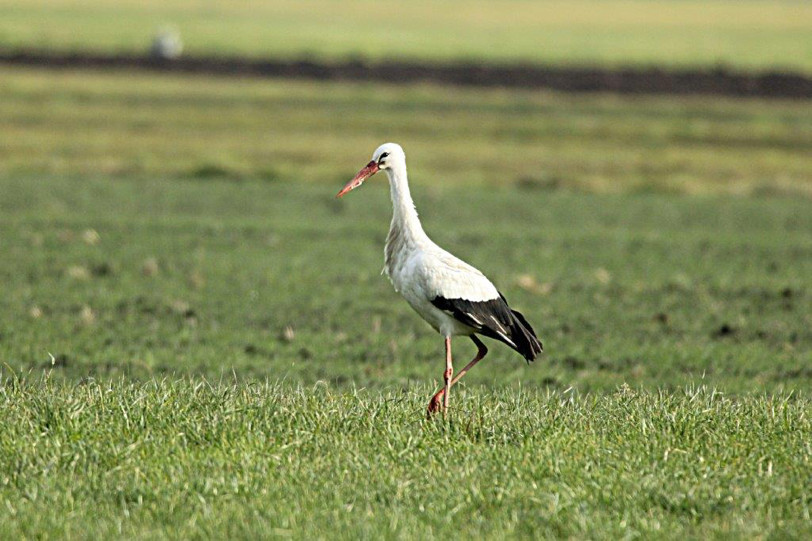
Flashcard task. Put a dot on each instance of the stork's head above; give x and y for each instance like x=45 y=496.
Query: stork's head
x=386 y=156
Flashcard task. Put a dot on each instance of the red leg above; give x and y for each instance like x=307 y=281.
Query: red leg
x=449 y=371
x=434 y=404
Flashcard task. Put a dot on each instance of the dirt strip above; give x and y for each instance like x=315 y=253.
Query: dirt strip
x=569 y=79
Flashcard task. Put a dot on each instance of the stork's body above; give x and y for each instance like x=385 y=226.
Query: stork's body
x=451 y=295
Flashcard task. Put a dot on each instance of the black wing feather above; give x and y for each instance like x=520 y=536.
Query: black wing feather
x=494 y=319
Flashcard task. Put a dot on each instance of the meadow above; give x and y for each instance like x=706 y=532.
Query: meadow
x=194 y=459
x=134 y=125
x=751 y=35
x=196 y=339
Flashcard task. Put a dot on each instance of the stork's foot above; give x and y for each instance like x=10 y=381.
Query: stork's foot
x=436 y=404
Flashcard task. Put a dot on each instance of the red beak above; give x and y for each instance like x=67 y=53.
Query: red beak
x=370 y=169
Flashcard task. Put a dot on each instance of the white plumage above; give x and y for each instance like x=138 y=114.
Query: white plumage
x=422 y=271
x=451 y=295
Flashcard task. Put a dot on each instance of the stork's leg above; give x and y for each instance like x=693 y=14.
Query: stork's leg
x=481 y=352
x=434 y=404
x=449 y=371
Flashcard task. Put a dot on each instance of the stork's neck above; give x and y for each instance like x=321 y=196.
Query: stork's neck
x=404 y=217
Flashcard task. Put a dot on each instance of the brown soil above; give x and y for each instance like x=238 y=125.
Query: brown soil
x=570 y=79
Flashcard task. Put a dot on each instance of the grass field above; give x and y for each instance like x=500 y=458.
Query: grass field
x=174 y=276
x=138 y=125
x=196 y=340
x=755 y=34
x=191 y=459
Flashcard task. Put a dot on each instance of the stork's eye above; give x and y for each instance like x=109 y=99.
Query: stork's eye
x=384 y=155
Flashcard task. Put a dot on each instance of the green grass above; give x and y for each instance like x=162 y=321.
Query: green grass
x=195 y=339
x=147 y=125
x=172 y=276
x=190 y=458
x=755 y=34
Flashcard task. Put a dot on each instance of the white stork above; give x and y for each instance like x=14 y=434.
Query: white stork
x=451 y=295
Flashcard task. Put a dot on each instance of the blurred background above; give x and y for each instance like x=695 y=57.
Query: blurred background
x=635 y=175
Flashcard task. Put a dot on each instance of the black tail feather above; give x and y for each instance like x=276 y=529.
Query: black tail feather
x=522 y=333
x=494 y=319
